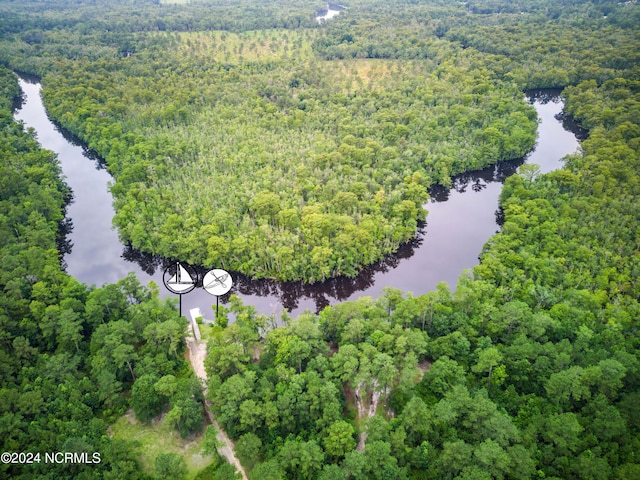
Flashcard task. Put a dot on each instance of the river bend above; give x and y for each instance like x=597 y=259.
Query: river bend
x=460 y=221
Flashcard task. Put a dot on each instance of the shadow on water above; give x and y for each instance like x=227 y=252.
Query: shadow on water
x=476 y=180
x=76 y=141
x=334 y=289
x=148 y=263
x=68 y=136
x=63 y=242
x=570 y=125
x=19 y=101
x=544 y=95
x=547 y=95
x=65 y=226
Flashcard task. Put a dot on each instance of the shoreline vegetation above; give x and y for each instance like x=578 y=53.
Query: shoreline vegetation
x=529 y=369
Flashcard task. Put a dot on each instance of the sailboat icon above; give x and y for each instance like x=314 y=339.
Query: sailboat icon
x=181 y=281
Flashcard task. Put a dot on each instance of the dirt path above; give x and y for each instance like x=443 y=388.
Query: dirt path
x=197 y=354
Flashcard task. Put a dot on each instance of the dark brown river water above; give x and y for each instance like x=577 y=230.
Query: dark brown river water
x=460 y=221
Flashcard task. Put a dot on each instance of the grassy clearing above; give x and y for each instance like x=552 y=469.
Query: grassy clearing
x=160 y=438
x=367 y=69
x=223 y=46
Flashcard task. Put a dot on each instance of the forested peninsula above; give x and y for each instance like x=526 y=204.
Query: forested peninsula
x=290 y=148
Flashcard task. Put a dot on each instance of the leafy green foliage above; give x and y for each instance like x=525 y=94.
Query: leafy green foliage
x=186 y=407
x=170 y=466
x=306 y=153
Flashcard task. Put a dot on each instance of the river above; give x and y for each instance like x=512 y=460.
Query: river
x=460 y=221
x=331 y=11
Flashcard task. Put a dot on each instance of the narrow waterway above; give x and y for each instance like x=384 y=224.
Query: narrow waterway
x=460 y=221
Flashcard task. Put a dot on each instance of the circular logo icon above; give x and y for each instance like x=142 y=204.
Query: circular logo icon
x=217 y=282
x=180 y=278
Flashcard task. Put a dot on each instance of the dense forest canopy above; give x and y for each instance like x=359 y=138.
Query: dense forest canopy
x=326 y=137
x=252 y=139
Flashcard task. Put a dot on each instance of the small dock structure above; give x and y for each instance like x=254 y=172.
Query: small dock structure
x=195 y=313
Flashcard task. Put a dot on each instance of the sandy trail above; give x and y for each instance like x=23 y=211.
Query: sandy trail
x=197 y=354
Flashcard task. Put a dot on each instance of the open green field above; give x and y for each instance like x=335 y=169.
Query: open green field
x=159 y=438
x=254 y=45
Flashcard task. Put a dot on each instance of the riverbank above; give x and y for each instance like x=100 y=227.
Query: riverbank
x=461 y=220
